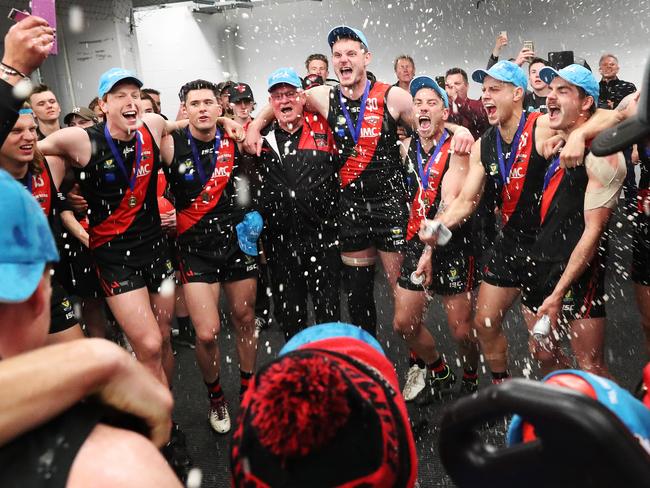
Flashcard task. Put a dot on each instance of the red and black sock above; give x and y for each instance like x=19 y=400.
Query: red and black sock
x=414 y=359
x=215 y=393
x=245 y=379
x=438 y=367
x=470 y=374
x=499 y=376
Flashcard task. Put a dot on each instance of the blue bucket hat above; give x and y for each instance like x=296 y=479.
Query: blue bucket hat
x=576 y=75
x=505 y=71
x=112 y=77
x=282 y=76
x=248 y=231
x=345 y=32
x=426 y=82
x=26 y=244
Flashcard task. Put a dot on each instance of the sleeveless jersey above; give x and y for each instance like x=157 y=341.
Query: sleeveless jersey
x=425 y=202
x=371 y=170
x=206 y=213
x=122 y=222
x=300 y=190
x=519 y=198
x=562 y=215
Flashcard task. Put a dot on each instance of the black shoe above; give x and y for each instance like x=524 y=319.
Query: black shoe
x=175 y=452
x=186 y=337
x=468 y=386
x=438 y=385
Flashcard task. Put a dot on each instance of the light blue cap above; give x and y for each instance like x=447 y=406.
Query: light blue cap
x=26 y=243
x=345 y=32
x=284 y=76
x=248 y=232
x=425 y=82
x=576 y=75
x=505 y=71
x=113 y=76
x=330 y=330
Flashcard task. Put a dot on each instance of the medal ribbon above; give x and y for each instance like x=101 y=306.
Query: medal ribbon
x=355 y=131
x=505 y=170
x=426 y=171
x=197 y=159
x=551 y=171
x=118 y=157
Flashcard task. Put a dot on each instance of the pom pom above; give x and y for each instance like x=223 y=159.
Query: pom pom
x=299 y=405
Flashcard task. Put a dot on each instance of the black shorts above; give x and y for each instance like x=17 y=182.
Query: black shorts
x=121 y=278
x=232 y=265
x=641 y=250
x=85 y=282
x=61 y=310
x=378 y=224
x=452 y=273
x=583 y=300
x=505 y=269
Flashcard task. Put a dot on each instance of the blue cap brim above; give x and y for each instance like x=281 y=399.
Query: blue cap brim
x=329 y=331
x=479 y=75
x=344 y=32
x=19 y=281
x=547 y=74
x=426 y=82
x=135 y=80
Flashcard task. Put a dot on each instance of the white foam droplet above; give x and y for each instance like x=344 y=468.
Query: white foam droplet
x=22 y=89
x=167 y=287
x=76 y=19
x=194 y=478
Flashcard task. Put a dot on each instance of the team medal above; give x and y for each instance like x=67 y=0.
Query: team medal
x=132 y=200
x=425 y=170
x=205 y=195
x=506 y=166
x=355 y=130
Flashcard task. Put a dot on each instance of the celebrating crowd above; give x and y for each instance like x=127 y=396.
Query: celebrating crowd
x=144 y=221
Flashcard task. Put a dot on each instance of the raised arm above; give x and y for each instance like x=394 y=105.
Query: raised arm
x=72 y=144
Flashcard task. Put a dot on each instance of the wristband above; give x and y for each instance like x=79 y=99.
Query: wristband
x=8 y=71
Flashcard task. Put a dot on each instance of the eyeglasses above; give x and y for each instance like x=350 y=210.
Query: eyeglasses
x=278 y=96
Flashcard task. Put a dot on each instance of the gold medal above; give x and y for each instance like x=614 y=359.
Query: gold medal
x=205 y=196
x=133 y=201
x=426 y=202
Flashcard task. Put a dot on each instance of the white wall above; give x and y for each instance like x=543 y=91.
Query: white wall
x=438 y=34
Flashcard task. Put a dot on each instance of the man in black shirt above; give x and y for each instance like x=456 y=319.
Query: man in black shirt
x=299 y=198
x=535 y=100
x=612 y=89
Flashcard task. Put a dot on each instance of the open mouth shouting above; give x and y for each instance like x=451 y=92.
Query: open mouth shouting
x=490 y=109
x=553 y=111
x=424 y=122
x=131 y=116
x=26 y=149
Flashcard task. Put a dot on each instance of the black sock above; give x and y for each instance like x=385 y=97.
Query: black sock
x=470 y=374
x=414 y=359
x=262 y=300
x=184 y=324
x=500 y=375
x=215 y=393
x=360 y=283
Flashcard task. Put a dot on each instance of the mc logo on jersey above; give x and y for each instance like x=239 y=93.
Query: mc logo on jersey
x=517 y=172
x=221 y=171
x=369 y=132
x=144 y=170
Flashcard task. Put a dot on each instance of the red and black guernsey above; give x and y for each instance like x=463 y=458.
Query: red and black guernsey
x=425 y=202
x=562 y=215
x=300 y=188
x=124 y=224
x=519 y=198
x=206 y=213
x=371 y=172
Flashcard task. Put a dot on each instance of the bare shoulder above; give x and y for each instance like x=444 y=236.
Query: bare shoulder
x=116 y=457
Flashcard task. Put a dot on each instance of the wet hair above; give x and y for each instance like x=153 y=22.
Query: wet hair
x=35 y=165
x=607 y=55
x=536 y=61
x=405 y=57
x=198 y=85
x=145 y=96
x=316 y=57
x=40 y=88
x=457 y=71
x=583 y=94
x=150 y=91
